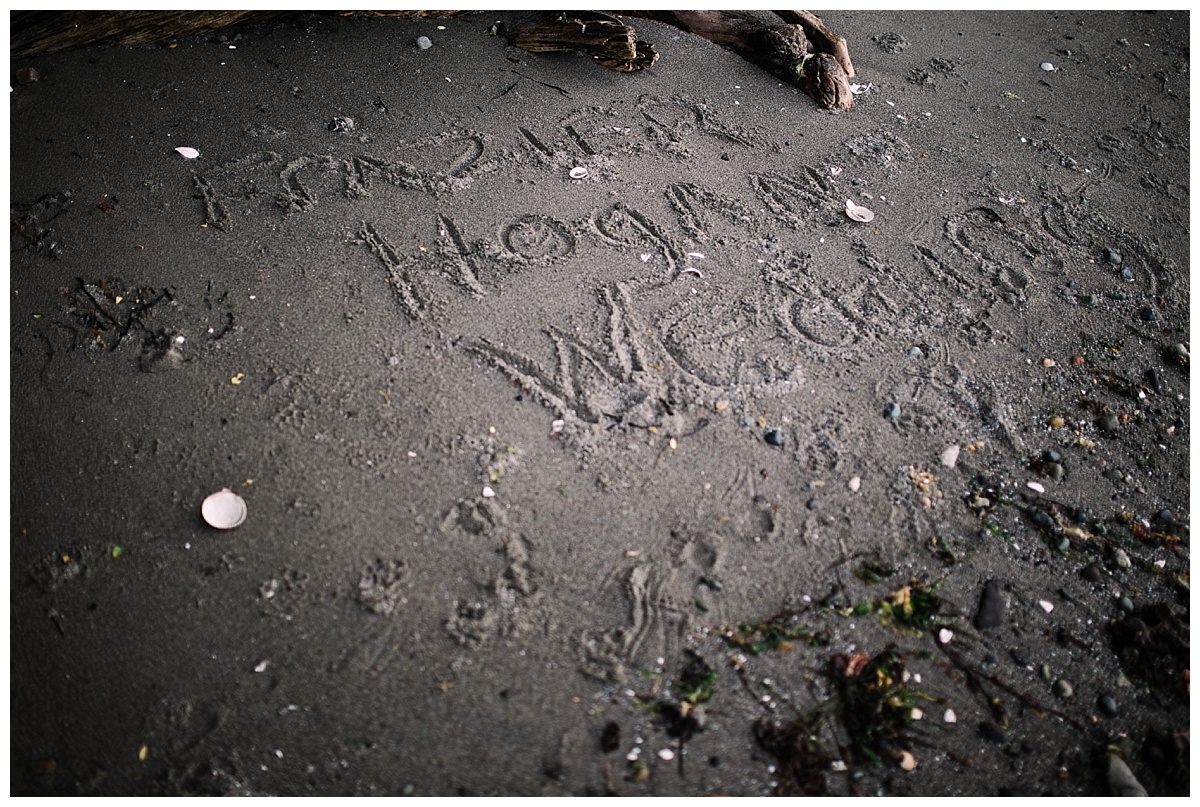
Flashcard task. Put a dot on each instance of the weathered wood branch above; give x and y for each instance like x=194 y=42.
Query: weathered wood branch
x=783 y=50
x=824 y=40
x=49 y=31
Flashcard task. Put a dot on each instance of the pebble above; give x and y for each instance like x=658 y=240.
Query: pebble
x=1041 y=518
x=1179 y=351
x=424 y=43
x=1154 y=380
x=1126 y=605
x=1121 y=780
x=855 y=483
x=1127 y=274
x=915 y=352
x=1108 y=705
x=991 y=607
x=892 y=411
x=1054 y=471
x=775 y=437
x=1164 y=518
x=1092 y=573
x=1057 y=422
x=1064 y=544
x=1044 y=671
x=950 y=456
x=1122 y=558
x=1148 y=314
x=993 y=733
x=1114 y=475
x=1112 y=256
x=1064 y=688
x=1108 y=423
x=1050 y=455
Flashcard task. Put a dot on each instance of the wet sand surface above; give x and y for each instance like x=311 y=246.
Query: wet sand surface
x=671 y=479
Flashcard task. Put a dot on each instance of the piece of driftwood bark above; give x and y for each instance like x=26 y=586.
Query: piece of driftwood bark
x=782 y=49
x=602 y=36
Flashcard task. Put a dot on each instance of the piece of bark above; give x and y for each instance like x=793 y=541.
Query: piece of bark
x=782 y=50
x=606 y=39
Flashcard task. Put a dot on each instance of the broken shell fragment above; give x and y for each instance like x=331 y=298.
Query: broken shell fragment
x=579 y=172
x=187 y=152
x=858 y=212
x=224 y=509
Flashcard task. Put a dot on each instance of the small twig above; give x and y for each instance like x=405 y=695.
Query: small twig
x=535 y=81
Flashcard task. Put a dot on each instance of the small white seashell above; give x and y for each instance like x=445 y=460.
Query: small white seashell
x=950 y=456
x=666 y=754
x=834 y=170
x=699 y=255
x=579 y=172
x=1047 y=606
x=916 y=714
x=945 y=635
x=187 y=152
x=858 y=212
x=224 y=509
x=1048 y=67
x=645 y=256
x=950 y=717
x=859 y=89
x=855 y=483
x=1038 y=486
x=488 y=492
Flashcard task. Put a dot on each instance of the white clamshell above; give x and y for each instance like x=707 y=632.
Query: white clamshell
x=224 y=509
x=858 y=212
x=188 y=153
x=579 y=172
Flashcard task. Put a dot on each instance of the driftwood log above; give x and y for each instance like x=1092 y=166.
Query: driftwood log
x=794 y=46
x=797 y=48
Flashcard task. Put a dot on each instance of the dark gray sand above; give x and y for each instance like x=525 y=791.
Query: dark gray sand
x=669 y=480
